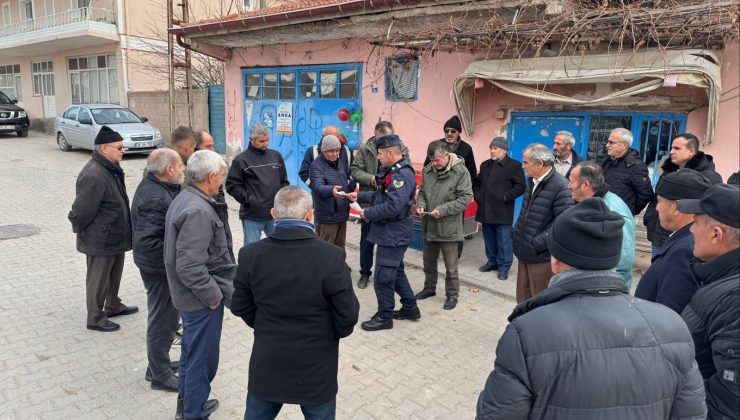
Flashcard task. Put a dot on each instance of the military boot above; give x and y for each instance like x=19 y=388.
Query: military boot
x=377 y=323
x=407 y=313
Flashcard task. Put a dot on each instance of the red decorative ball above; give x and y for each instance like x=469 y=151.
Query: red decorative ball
x=342 y=138
x=343 y=114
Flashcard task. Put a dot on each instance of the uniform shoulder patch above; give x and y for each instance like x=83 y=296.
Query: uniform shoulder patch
x=398 y=183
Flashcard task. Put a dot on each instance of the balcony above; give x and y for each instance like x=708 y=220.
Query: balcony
x=73 y=28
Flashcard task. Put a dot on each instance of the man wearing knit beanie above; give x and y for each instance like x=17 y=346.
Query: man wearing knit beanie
x=670 y=279
x=452 y=130
x=597 y=340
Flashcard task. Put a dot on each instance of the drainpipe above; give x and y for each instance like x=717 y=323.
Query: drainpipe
x=122 y=35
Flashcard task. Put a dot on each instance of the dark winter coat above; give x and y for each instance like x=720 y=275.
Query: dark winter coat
x=198 y=253
x=713 y=317
x=100 y=213
x=365 y=165
x=701 y=163
x=254 y=178
x=464 y=151
x=628 y=178
x=324 y=176
x=314 y=152
x=148 y=210
x=496 y=189
x=551 y=198
x=576 y=160
x=585 y=349
x=734 y=179
x=295 y=291
x=670 y=280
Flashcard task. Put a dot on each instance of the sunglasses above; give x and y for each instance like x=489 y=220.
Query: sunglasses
x=117 y=147
x=451 y=131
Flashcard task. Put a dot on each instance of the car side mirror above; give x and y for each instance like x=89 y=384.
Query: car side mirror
x=86 y=121
x=144 y=119
x=14 y=101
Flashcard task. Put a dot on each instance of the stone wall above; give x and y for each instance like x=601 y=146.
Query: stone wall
x=155 y=106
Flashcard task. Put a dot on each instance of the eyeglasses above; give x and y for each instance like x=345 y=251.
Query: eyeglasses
x=613 y=142
x=119 y=148
x=451 y=131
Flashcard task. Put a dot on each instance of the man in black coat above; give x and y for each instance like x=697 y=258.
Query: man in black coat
x=713 y=314
x=546 y=197
x=670 y=280
x=165 y=174
x=684 y=153
x=496 y=188
x=565 y=157
x=584 y=348
x=295 y=291
x=100 y=218
x=456 y=145
x=625 y=173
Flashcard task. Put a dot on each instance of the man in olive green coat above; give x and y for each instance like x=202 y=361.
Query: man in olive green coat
x=445 y=192
x=364 y=168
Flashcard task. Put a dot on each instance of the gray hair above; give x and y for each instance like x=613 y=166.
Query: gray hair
x=567 y=137
x=440 y=150
x=591 y=172
x=292 y=202
x=160 y=159
x=258 y=130
x=538 y=152
x=624 y=135
x=202 y=163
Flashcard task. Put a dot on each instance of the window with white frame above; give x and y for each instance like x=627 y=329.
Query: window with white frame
x=7 y=19
x=93 y=79
x=48 y=7
x=10 y=81
x=43 y=78
x=26 y=10
x=79 y=4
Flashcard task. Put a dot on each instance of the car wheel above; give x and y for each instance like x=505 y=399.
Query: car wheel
x=22 y=133
x=62 y=142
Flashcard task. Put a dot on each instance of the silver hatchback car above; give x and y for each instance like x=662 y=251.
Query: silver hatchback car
x=79 y=124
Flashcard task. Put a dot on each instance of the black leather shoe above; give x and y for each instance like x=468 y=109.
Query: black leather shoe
x=175 y=366
x=407 y=313
x=425 y=294
x=503 y=275
x=450 y=303
x=210 y=406
x=362 y=283
x=486 y=268
x=170 y=384
x=105 y=326
x=125 y=310
x=377 y=323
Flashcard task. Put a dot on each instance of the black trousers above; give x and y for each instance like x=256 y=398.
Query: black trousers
x=161 y=324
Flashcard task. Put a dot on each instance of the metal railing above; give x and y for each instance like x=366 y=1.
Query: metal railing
x=84 y=14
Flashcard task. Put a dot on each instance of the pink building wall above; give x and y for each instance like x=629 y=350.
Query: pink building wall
x=421 y=121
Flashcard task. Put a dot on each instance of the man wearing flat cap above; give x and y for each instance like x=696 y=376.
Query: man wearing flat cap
x=596 y=340
x=330 y=184
x=100 y=217
x=713 y=314
x=391 y=229
x=496 y=188
x=670 y=280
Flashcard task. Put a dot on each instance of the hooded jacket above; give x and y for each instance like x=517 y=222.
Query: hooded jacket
x=449 y=191
x=628 y=178
x=713 y=317
x=582 y=349
x=702 y=163
x=463 y=151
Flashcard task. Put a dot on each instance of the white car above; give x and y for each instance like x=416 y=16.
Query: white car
x=79 y=125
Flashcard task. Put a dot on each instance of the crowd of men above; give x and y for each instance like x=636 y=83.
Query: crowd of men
x=578 y=344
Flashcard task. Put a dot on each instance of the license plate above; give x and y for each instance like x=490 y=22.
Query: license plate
x=142 y=144
x=7 y=127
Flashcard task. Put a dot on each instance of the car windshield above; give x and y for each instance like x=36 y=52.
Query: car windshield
x=4 y=100
x=114 y=116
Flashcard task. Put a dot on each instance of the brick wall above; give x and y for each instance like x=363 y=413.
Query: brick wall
x=155 y=106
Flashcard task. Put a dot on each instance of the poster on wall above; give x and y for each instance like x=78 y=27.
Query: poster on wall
x=249 y=107
x=285 y=118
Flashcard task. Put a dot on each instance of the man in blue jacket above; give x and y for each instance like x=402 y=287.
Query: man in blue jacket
x=670 y=279
x=391 y=229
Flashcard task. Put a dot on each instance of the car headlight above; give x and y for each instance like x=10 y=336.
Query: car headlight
x=22 y=114
x=157 y=135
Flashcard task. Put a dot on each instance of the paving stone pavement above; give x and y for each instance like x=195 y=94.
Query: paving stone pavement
x=51 y=366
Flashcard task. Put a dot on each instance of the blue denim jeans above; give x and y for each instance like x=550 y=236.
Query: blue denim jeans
x=253 y=229
x=366 y=250
x=258 y=409
x=199 y=358
x=499 y=245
